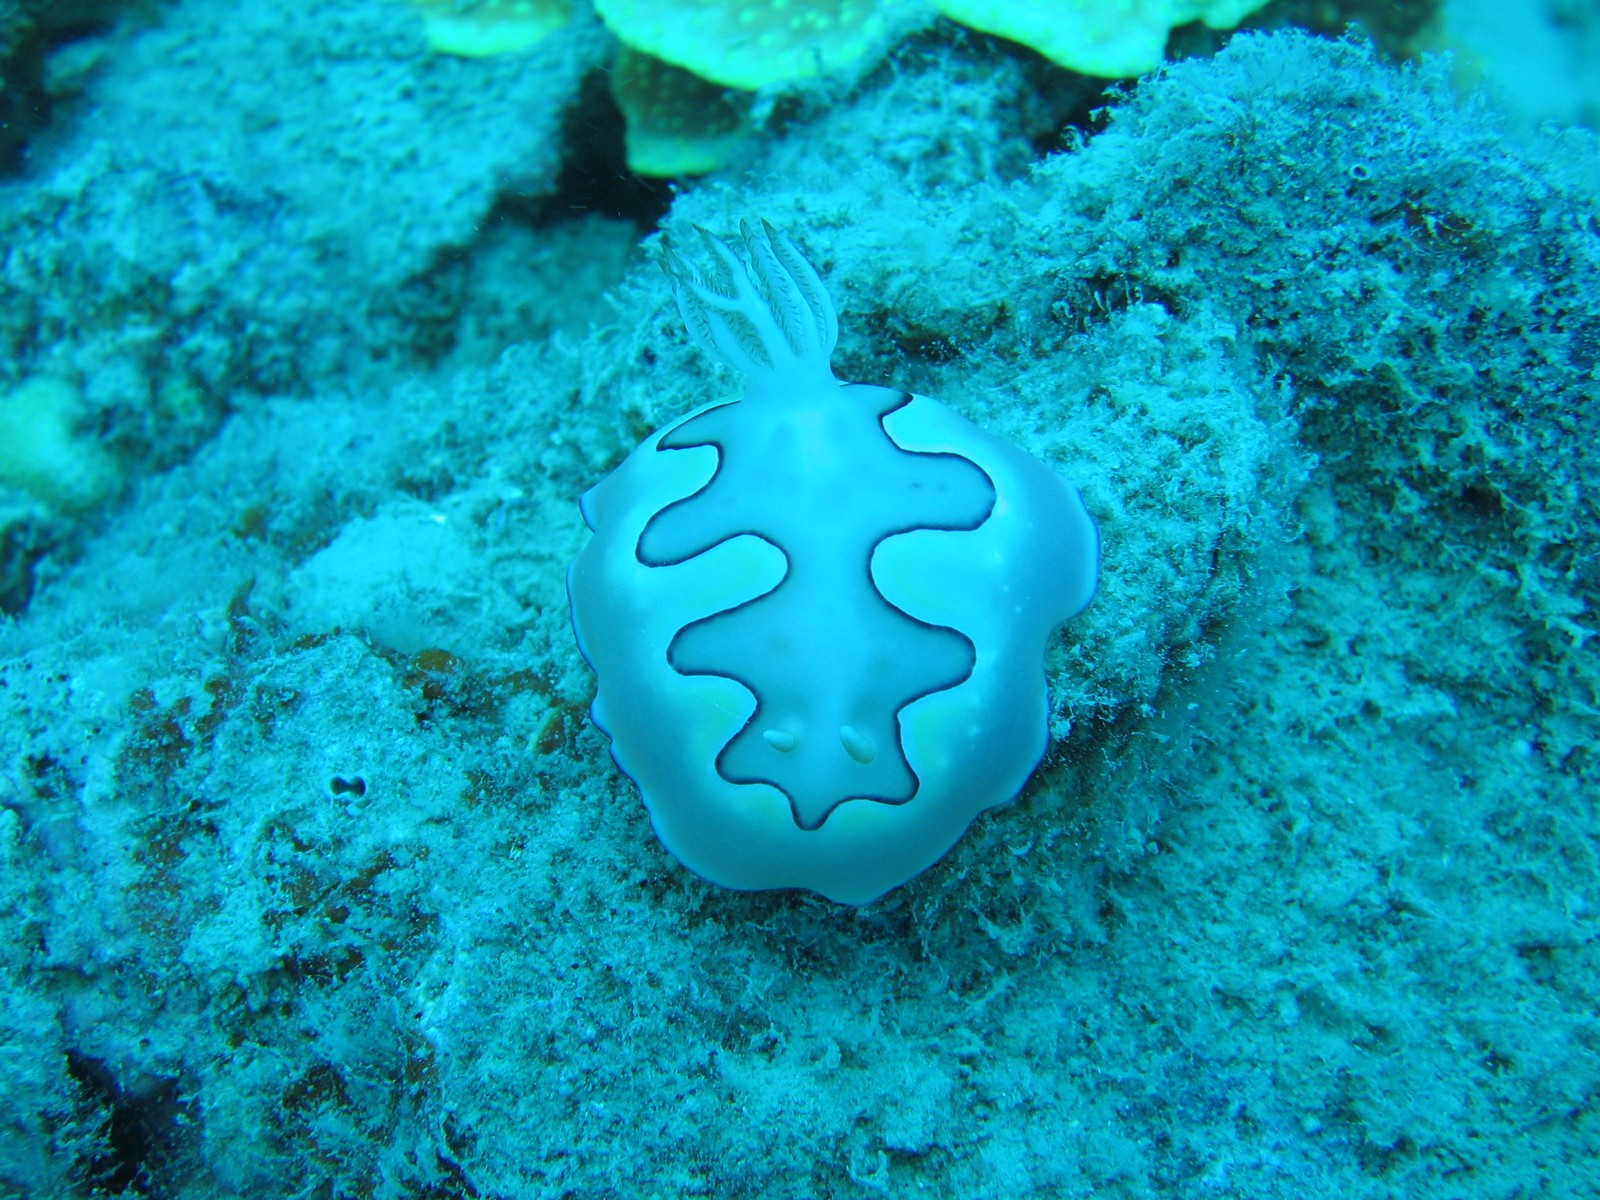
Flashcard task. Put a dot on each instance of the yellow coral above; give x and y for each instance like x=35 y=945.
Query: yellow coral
x=1109 y=38
x=42 y=452
x=752 y=44
x=481 y=28
x=678 y=124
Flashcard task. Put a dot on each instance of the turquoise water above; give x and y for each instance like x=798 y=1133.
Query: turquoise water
x=318 y=879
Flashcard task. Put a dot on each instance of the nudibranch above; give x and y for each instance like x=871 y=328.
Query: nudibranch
x=817 y=612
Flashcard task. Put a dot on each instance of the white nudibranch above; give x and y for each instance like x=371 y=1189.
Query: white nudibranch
x=818 y=611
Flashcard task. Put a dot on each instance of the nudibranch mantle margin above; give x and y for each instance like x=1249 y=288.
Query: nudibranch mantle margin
x=817 y=613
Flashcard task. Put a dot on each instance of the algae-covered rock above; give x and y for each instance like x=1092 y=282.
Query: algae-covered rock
x=228 y=204
x=29 y=29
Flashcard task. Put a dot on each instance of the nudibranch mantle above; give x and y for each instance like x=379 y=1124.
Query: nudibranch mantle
x=817 y=613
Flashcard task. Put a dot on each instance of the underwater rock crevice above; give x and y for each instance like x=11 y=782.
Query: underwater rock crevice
x=147 y=1139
